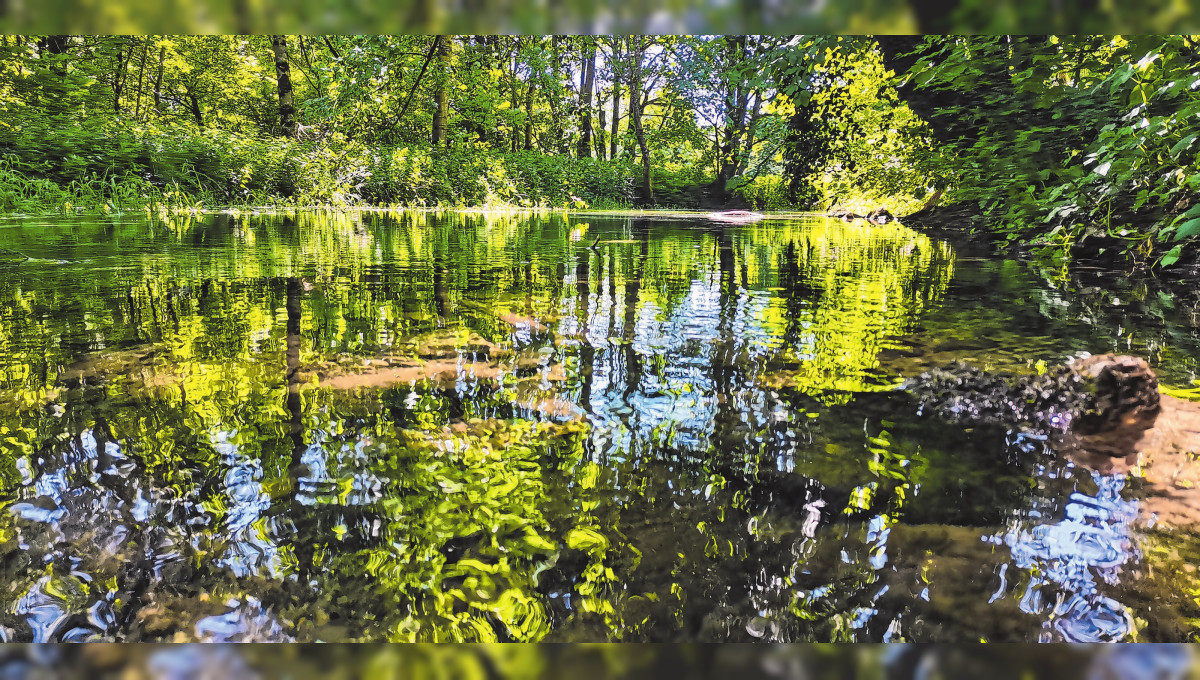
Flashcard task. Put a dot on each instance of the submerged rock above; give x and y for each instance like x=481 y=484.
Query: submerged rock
x=1103 y=402
x=1104 y=413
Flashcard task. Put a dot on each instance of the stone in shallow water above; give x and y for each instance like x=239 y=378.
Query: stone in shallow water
x=1104 y=401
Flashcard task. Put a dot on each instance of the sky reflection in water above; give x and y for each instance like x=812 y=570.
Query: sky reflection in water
x=424 y=427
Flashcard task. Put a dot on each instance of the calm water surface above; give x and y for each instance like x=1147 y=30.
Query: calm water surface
x=478 y=427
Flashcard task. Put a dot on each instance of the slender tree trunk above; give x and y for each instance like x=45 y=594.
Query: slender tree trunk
x=587 y=351
x=601 y=130
x=637 y=51
x=137 y=106
x=196 y=112
x=616 y=99
x=633 y=285
x=442 y=96
x=556 y=112
x=305 y=49
x=412 y=90
x=737 y=101
x=529 y=113
x=293 y=339
x=283 y=79
x=587 y=81
x=119 y=75
x=332 y=49
x=158 y=79
x=514 y=142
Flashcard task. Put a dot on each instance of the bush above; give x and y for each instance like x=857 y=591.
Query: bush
x=765 y=192
x=153 y=165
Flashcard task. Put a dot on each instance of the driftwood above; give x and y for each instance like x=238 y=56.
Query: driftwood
x=876 y=216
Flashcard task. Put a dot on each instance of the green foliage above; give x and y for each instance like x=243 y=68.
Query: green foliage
x=848 y=139
x=116 y=122
x=1055 y=139
x=1066 y=138
x=47 y=169
x=765 y=192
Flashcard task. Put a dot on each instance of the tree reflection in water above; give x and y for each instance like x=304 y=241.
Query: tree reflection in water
x=429 y=427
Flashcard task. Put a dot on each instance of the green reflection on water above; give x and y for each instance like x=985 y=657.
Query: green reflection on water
x=483 y=427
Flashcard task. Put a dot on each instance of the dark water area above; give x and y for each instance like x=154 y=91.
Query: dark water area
x=497 y=427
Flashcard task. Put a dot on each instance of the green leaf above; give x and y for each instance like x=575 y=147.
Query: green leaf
x=1182 y=144
x=1193 y=211
x=1171 y=257
x=1189 y=228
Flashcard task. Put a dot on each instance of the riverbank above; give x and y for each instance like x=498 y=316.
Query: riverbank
x=965 y=225
x=47 y=168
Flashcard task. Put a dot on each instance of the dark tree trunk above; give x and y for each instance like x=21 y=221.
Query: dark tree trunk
x=283 y=79
x=158 y=79
x=587 y=81
x=633 y=280
x=636 y=54
x=515 y=140
x=529 y=91
x=616 y=99
x=120 y=74
x=737 y=102
x=195 y=106
x=601 y=130
x=556 y=109
x=587 y=352
x=137 y=106
x=442 y=96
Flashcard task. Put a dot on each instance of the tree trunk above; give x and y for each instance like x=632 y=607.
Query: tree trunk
x=601 y=129
x=196 y=112
x=162 y=56
x=529 y=113
x=636 y=54
x=737 y=102
x=442 y=96
x=514 y=142
x=283 y=79
x=556 y=113
x=616 y=99
x=137 y=106
x=119 y=74
x=587 y=81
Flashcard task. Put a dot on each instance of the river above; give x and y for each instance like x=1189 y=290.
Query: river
x=420 y=426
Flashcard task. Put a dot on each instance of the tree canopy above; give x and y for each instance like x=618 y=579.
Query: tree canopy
x=1054 y=139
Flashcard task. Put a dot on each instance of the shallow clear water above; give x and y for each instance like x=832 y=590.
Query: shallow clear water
x=426 y=427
